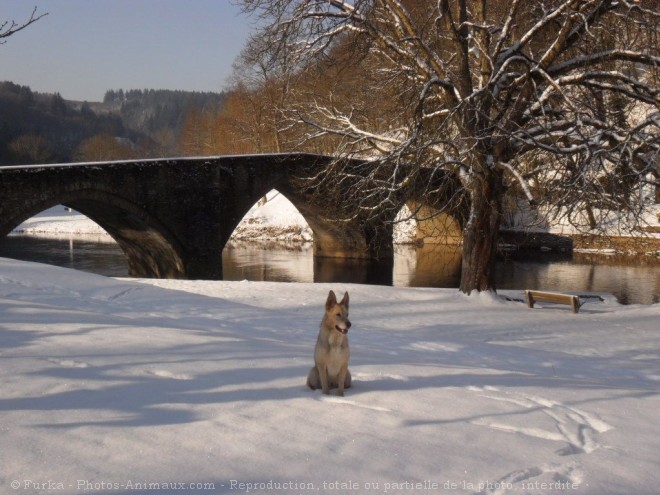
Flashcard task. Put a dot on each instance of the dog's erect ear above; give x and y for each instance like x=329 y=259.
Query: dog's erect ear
x=344 y=301
x=331 y=301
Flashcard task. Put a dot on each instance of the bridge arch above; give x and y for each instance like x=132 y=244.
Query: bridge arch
x=151 y=251
x=289 y=223
x=332 y=239
x=434 y=226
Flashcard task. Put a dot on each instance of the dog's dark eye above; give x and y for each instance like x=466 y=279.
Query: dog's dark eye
x=338 y=314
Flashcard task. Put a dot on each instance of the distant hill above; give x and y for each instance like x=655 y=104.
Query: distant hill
x=149 y=111
x=36 y=127
x=45 y=128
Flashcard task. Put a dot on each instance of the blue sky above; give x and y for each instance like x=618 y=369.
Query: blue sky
x=84 y=47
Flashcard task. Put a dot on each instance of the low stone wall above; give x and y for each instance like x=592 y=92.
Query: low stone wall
x=544 y=240
x=627 y=245
x=536 y=240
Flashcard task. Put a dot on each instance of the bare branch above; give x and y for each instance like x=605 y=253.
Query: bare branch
x=8 y=28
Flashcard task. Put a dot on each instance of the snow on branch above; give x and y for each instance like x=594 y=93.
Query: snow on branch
x=604 y=56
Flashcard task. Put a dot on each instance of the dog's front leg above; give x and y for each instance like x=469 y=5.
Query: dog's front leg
x=342 y=380
x=323 y=374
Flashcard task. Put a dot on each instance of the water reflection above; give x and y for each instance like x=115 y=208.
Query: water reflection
x=434 y=265
x=89 y=253
x=268 y=262
x=632 y=281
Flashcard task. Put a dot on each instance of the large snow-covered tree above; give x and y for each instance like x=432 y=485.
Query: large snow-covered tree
x=557 y=99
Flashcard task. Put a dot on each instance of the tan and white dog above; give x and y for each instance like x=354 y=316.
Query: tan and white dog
x=332 y=352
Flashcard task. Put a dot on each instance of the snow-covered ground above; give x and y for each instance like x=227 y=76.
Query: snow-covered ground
x=155 y=386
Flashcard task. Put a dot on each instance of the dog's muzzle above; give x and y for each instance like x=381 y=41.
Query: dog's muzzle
x=343 y=331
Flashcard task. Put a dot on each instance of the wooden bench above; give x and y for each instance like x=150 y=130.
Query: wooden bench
x=532 y=296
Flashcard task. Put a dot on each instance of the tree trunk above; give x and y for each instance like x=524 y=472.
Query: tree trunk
x=480 y=234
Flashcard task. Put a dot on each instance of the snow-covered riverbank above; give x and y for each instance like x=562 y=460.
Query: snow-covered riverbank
x=110 y=385
x=58 y=221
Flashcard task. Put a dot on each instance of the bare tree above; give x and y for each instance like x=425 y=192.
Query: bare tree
x=30 y=148
x=261 y=84
x=557 y=99
x=104 y=147
x=8 y=28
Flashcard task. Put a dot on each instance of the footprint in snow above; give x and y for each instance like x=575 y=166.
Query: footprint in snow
x=525 y=479
x=370 y=377
x=169 y=374
x=341 y=400
x=68 y=363
x=573 y=426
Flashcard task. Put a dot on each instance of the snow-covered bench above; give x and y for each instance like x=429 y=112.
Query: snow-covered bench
x=532 y=296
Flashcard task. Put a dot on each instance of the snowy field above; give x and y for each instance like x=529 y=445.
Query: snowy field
x=127 y=386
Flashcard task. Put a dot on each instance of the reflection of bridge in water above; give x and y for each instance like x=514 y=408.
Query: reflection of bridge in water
x=172 y=217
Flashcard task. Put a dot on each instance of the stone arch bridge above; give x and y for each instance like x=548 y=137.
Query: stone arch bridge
x=172 y=217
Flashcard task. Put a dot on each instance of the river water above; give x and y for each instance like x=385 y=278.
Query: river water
x=631 y=280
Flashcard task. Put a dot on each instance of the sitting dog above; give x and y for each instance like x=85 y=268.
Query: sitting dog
x=332 y=352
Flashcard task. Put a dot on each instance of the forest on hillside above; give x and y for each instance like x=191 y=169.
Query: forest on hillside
x=46 y=128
